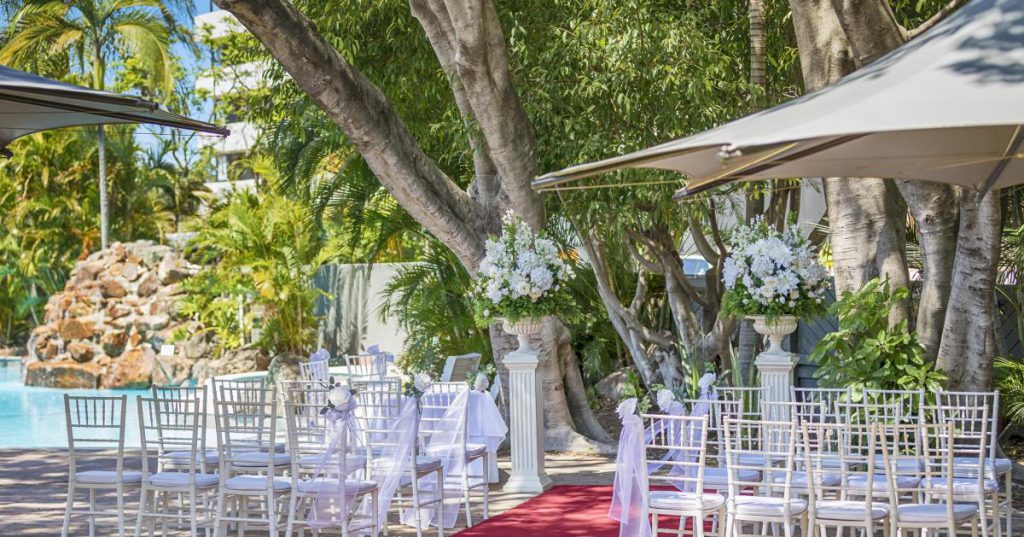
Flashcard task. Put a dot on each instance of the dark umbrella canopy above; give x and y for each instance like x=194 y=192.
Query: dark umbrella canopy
x=946 y=107
x=30 y=103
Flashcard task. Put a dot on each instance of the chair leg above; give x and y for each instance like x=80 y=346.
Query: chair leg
x=120 y=510
x=272 y=514
x=465 y=494
x=218 y=518
x=142 y=509
x=440 y=502
x=192 y=512
x=92 y=509
x=67 y=508
x=486 y=462
x=698 y=526
x=292 y=506
x=730 y=525
x=654 y=524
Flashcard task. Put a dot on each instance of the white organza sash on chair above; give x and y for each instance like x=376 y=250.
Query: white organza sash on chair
x=333 y=506
x=630 y=476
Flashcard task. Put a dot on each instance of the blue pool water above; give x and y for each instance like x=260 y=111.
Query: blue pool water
x=34 y=417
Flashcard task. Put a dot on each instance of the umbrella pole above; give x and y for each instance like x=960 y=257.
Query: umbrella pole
x=104 y=216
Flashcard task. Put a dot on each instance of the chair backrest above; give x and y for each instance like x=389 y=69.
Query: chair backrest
x=888 y=406
x=457 y=368
x=975 y=401
x=842 y=450
x=246 y=418
x=172 y=393
x=768 y=448
x=909 y=466
x=436 y=423
x=380 y=405
x=677 y=447
x=172 y=424
x=315 y=370
x=719 y=410
x=310 y=431
x=970 y=442
x=748 y=398
x=820 y=404
x=364 y=366
x=94 y=423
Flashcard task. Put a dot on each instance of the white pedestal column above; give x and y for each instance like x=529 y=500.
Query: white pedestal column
x=525 y=411
x=776 y=365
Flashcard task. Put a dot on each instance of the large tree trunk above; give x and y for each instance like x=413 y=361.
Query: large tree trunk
x=468 y=41
x=872 y=31
x=968 y=338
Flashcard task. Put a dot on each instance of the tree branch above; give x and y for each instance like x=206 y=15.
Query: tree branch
x=935 y=19
x=368 y=119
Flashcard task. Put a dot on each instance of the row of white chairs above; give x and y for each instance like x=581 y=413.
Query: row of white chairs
x=259 y=475
x=888 y=460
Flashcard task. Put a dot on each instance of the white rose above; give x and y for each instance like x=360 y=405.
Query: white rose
x=707 y=380
x=481 y=383
x=339 y=396
x=422 y=381
x=665 y=399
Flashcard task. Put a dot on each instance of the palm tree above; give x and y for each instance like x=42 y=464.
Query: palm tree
x=94 y=34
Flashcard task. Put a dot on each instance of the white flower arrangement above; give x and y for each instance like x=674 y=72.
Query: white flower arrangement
x=772 y=273
x=416 y=384
x=626 y=408
x=707 y=381
x=521 y=276
x=665 y=399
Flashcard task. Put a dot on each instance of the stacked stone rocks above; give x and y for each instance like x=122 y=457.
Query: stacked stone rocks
x=107 y=327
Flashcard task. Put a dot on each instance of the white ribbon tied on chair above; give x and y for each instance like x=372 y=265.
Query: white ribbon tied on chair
x=333 y=505
x=628 y=489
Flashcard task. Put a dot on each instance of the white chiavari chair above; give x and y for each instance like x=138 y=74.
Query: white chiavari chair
x=96 y=423
x=206 y=457
x=364 y=366
x=891 y=406
x=820 y=405
x=254 y=391
x=748 y=401
x=246 y=418
x=318 y=370
x=910 y=503
x=678 y=446
x=716 y=477
x=969 y=443
x=436 y=430
x=761 y=501
x=312 y=474
x=831 y=502
x=1001 y=467
x=172 y=426
x=379 y=409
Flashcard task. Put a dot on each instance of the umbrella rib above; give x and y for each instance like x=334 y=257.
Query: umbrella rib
x=760 y=165
x=1000 y=167
x=550 y=180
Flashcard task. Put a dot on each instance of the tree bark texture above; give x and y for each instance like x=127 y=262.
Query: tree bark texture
x=968 y=336
x=466 y=37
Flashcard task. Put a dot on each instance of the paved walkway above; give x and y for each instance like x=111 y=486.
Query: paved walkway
x=33 y=489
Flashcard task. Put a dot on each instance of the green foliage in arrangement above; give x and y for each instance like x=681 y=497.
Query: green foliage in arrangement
x=266 y=250
x=866 y=352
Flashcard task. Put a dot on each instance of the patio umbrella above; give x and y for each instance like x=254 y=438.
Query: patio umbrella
x=945 y=107
x=30 y=103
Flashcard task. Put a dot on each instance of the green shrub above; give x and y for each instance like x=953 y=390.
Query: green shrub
x=1010 y=383
x=866 y=352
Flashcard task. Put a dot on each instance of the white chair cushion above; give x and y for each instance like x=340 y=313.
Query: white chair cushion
x=799 y=481
x=352 y=486
x=961 y=485
x=718 y=478
x=755 y=459
x=831 y=461
x=768 y=507
x=107 y=477
x=423 y=464
x=881 y=485
x=968 y=466
x=181 y=457
x=684 y=501
x=849 y=510
x=256 y=483
x=903 y=464
x=257 y=459
x=352 y=462
x=934 y=512
x=180 y=480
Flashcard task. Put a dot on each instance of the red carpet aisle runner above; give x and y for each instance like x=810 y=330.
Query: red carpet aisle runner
x=562 y=511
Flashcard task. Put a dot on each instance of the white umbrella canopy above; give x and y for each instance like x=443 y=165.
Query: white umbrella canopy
x=946 y=107
x=30 y=103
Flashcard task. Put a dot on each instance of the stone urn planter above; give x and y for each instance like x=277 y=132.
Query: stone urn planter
x=775 y=328
x=523 y=329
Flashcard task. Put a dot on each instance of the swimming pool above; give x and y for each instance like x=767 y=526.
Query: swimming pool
x=33 y=417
